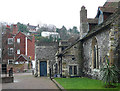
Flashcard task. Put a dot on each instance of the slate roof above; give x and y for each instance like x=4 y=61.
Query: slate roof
x=92 y=20
x=32 y=27
x=106 y=23
x=111 y=4
x=46 y=51
x=108 y=9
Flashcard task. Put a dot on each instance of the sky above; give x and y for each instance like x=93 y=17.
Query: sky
x=56 y=12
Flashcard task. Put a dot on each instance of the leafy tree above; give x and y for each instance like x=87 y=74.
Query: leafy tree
x=22 y=27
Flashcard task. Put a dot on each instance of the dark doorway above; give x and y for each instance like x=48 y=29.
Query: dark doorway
x=43 y=68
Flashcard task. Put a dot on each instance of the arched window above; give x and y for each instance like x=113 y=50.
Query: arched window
x=95 y=56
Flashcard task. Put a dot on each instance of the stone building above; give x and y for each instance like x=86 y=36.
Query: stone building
x=66 y=59
x=99 y=37
x=45 y=57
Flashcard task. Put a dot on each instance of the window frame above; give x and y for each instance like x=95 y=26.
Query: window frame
x=18 y=51
x=10 y=52
x=11 y=61
x=9 y=40
x=18 y=40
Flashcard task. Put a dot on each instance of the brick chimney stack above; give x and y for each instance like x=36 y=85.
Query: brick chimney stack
x=15 y=29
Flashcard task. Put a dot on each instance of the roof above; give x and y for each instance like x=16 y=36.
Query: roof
x=24 y=56
x=110 y=3
x=32 y=27
x=97 y=29
x=30 y=37
x=91 y=20
x=108 y=9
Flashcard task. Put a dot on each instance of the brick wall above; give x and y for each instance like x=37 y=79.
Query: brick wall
x=31 y=48
x=20 y=45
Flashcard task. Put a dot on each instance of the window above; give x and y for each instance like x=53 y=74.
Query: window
x=18 y=40
x=95 y=56
x=4 y=68
x=73 y=70
x=10 y=61
x=10 y=40
x=10 y=51
x=18 y=51
x=70 y=70
x=73 y=58
x=96 y=61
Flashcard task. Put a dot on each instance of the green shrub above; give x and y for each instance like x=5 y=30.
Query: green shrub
x=109 y=74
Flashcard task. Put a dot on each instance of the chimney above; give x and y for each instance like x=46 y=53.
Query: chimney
x=15 y=29
x=83 y=15
x=8 y=28
x=83 y=22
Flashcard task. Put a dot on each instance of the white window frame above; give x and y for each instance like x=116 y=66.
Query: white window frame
x=10 y=49
x=18 y=40
x=9 y=40
x=18 y=51
x=10 y=60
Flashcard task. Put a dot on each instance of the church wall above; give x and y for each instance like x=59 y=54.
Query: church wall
x=103 y=50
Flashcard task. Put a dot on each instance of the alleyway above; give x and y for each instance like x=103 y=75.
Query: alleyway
x=28 y=81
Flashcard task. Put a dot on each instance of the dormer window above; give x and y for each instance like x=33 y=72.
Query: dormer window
x=100 y=17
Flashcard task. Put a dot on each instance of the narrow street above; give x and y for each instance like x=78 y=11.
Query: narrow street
x=28 y=81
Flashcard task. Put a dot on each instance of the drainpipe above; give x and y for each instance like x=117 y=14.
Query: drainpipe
x=61 y=67
x=26 y=46
x=1 y=50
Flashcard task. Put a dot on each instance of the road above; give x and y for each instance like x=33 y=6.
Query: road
x=28 y=81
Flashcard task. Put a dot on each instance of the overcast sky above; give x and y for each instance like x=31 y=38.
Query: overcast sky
x=56 y=12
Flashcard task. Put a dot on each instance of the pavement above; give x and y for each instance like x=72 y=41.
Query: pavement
x=28 y=81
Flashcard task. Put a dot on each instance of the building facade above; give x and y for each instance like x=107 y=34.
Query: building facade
x=45 y=58
x=99 y=37
x=18 y=50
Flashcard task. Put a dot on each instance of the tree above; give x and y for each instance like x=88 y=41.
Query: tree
x=75 y=30
x=22 y=27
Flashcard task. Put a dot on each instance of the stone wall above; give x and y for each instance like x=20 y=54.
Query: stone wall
x=108 y=42
x=70 y=58
x=103 y=50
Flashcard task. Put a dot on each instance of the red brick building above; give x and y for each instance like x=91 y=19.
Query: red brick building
x=18 y=50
